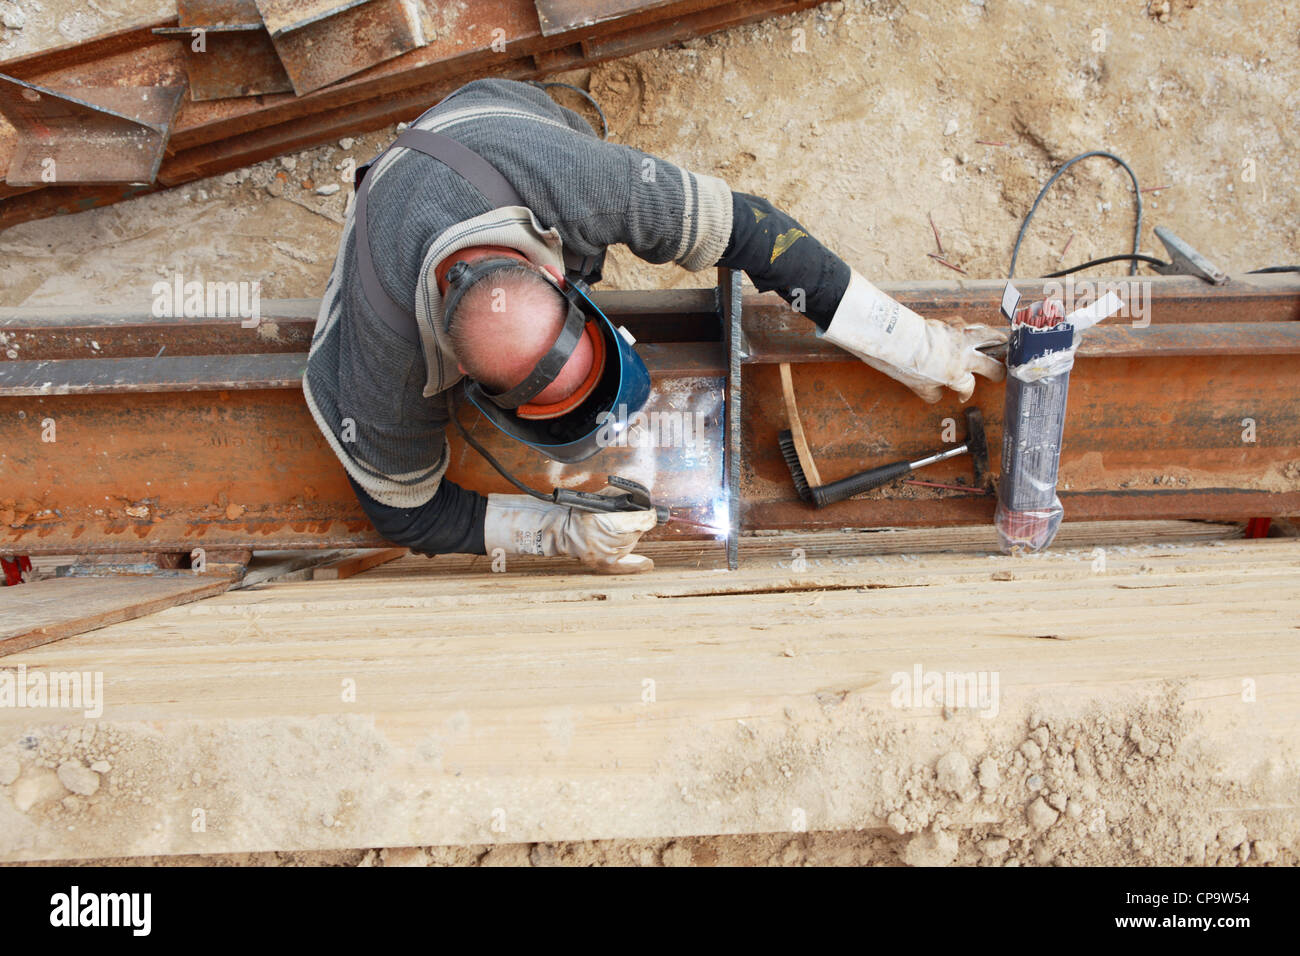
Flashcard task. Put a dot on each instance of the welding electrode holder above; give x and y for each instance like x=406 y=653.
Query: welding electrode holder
x=635 y=497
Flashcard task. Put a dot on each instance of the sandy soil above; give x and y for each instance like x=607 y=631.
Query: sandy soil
x=863 y=136
x=27 y=26
x=1064 y=785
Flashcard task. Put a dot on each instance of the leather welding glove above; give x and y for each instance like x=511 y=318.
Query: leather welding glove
x=924 y=354
x=521 y=524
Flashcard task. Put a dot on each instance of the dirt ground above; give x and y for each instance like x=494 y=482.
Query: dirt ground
x=1131 y=787
x=862 y=119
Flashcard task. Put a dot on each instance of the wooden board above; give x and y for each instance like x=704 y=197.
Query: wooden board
x=354 y=562
x=49 y=610
x=435 y=702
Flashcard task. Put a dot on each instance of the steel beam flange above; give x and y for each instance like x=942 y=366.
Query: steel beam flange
x=729 y=303
x=322 y=41
x=228 y=51
x=90 y=134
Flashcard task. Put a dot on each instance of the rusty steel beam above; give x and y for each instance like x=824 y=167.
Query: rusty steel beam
x=246 y=467
x=163 y=453
x=562 y=16
x=322 y=41
x=216 y=136
x=774 y=333
x=236 y=56
x=87 y=134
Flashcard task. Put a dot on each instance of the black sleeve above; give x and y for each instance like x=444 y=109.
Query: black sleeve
x=777 y=253
x=451 y=522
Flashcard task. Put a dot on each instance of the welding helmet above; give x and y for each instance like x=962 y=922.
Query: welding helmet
x=576 y=427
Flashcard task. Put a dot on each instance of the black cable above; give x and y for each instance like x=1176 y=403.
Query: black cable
x=1139 y=257
x=1268 y=269
x=451 y=408
x=604 y=124
x=1137 y=196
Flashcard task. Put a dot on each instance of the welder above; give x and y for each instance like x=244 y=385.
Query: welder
x=463 y=271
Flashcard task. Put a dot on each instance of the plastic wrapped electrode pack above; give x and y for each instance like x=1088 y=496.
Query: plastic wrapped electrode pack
x=1040 y=355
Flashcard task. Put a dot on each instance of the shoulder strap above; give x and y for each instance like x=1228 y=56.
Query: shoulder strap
x=480 y=174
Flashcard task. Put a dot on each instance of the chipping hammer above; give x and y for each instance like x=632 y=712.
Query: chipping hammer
x=822 y=495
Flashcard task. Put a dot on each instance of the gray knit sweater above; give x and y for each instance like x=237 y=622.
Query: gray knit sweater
x=365 y=385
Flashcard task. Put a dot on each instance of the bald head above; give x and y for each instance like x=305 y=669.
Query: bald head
x=505 y=323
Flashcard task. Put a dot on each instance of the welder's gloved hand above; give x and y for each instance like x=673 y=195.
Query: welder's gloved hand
x=520 y=524
x=926 y=355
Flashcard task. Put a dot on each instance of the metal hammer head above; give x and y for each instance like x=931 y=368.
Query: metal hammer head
x=978 y=445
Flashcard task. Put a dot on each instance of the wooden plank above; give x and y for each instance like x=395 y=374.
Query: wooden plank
x=406 y=708
x=54 y=608
x=354 y=562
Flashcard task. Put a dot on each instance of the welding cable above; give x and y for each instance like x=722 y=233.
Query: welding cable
x=1137 y=197
x=1155 y=262
x=1123 y=256
x=604 y=124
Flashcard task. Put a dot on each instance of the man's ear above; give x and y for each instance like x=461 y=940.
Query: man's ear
x=460 y=368
x=559 y=276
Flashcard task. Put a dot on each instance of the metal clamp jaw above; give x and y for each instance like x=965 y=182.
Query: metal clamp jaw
x=636 y=497
x=1186 y=260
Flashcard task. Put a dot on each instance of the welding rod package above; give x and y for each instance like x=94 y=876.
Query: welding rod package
x=1040 y=354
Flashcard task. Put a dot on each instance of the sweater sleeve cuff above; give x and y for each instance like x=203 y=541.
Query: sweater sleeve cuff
x=712 y=227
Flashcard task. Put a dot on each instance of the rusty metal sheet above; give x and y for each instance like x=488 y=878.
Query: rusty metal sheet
x=322 y=41
x=87 y=134
x=283 y=15
x=215 y=136
x=134 y=55
x=564 y=16
x=232 y=53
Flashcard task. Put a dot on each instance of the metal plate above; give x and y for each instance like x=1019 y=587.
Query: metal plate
x=729 y=308
x=237 y=58
x=87 y=134
x=562 y=16
x=320 y=42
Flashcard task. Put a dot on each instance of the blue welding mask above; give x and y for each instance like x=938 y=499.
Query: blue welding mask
x=576 y=427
